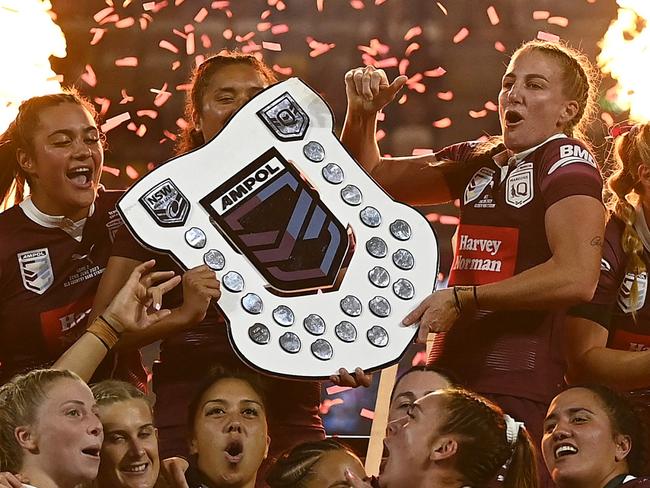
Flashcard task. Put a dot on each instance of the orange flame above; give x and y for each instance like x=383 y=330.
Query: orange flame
x=625 y=51
x=29 y=36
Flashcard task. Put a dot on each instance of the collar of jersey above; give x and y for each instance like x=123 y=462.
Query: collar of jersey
x=504 y=158
x=641 y=227
x=73 y=229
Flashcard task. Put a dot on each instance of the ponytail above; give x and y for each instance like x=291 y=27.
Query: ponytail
x=522 y=466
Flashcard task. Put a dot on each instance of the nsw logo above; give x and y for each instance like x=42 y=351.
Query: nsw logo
x=481 y=179
x=519 y=186
x=36 y=270
x=166 y=204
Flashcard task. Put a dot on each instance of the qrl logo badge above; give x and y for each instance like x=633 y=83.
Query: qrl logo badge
x=166 y=204
x=519 y=186
x=481 y=179
x=274 y=218
x=36 y=270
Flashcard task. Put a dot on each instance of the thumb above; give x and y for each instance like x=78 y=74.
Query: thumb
x=397 y=84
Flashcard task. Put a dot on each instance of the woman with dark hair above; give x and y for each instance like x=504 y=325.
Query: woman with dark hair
x=608 y=339
x=55 y=242
x=315 y=465
x=228 y=430
x=455 y=438
x=220 y=86
x=49 y=430
x=594 y=439
x=531 y=224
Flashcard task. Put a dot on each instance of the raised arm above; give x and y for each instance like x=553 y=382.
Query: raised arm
x=574 y=228
x=135 y=307
x=415 y=180
x=200 y=285
x=589 y=360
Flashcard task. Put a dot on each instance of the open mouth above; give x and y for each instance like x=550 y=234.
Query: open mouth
x=565 y=450
x=234 y=451
x=81 y=176
x=91 y=451
x=513 y=118
x=135 y=468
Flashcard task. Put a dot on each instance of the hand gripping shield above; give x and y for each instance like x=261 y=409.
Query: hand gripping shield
x=318 y=265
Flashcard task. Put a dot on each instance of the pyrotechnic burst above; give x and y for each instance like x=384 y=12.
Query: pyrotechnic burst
x=625 y=54
x=28 y=27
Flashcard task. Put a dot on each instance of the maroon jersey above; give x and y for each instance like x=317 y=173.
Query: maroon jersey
x=628 y=481
x=47 y=285
x=502 y=233
x=612 y=304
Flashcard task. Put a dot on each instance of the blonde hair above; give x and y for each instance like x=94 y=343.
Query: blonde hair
x=631 y=150
x=19 y=402
x=581 y=81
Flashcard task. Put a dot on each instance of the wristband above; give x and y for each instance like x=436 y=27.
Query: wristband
x=466 y=296
x=104 y=331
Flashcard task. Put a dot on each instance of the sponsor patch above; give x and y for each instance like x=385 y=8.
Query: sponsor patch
x=481 y=179
x=62 y=326
x=166 y=204
x=36 y=270
x=519 y=186
x=484 y=254
x=113 y=224
x=624 y=299
x=571 y=154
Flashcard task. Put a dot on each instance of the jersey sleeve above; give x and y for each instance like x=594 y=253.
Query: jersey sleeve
x=127 y=246
x=568 y=168
x=459 y=162
x=612 y=273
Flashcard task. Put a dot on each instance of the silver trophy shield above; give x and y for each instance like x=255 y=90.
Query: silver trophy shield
x=318 y=264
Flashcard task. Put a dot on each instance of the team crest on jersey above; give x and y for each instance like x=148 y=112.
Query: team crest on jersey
x=36 y=270
x=166 y=204
x=519 y=186
x=625 y=292
x=481 y=179
x=114 y=223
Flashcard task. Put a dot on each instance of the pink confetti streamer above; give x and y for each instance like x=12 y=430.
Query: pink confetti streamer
x=220 y=5
x=333 y=390
x=97 y=33
x=320 y=5
x=541 y=14
x=175 y=65
x=499 y=47
x=201 y=15
x=317 y=47
x=89 y=77
x=168 y=45
x=206 y=42
x=227 y=34
x=449 y=220
x=561 y=21
x=110 y=19
x=380 y=134
x=190 y=45
x=402 y=100
x=288 y=71
x=272 y=46
x=357 y=4
x=152 y=114
x=442 y=123
x=435 y=73
x=461 y=35
x=179 y=33
x=547 y=36
x=442 y=7
x=125 y=97
x=104 y=104
x=131 y=61
x=327 y=404
x=381 y=116
x=102 y=14
x=367 y=414
x=170 y=135
x=413 y=32
x=279 y=29
x=110 y=170
x=492 y=15
x=432 y=217
x=446 y=96
x=419 y=358
x=414 y=46
x=124 y=23
x=131 y=172
x=115 y=121
x=263 y=26
x=403 y=66
x=182 y=123
x=490 y=105
x=477 y=115
x=162 y=95
x=386 y=63
x=246 y=37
